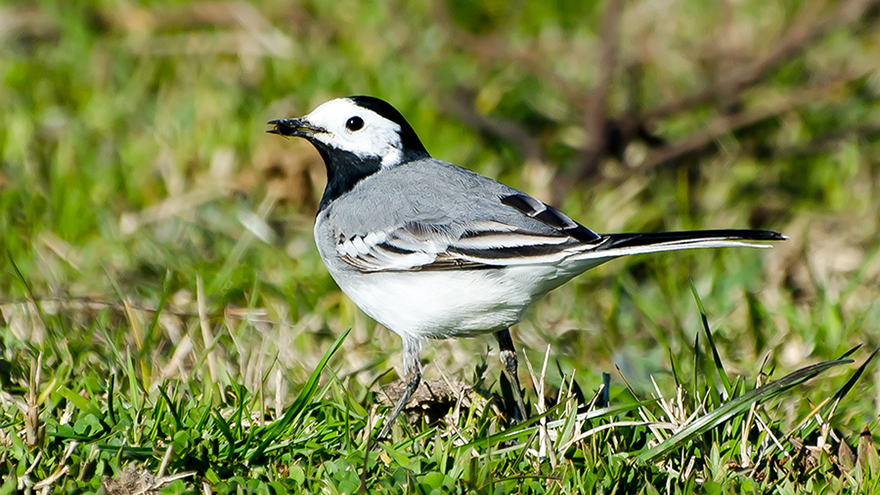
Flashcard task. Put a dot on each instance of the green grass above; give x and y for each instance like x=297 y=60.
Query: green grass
x=95 y=415
x=165 y=318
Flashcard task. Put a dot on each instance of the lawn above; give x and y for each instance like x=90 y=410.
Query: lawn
x=166 y=323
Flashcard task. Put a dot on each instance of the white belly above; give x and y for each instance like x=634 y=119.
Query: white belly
x=448 y=303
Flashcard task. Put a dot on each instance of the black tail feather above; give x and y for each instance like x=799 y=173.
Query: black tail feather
x=652 y=238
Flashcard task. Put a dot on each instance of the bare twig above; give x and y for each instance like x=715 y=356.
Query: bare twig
x=596 y=113
x=798 y=37
x=608 y=135
x=726 y=124
x=803 y=32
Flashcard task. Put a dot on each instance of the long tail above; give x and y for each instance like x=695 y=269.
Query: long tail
x=615 y=245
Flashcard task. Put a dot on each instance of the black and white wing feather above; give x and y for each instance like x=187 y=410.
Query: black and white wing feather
x=425 y=245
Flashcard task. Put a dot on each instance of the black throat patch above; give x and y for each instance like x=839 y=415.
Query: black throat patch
x=344 y=170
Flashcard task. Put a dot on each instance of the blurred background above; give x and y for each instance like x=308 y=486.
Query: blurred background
x=136 y=174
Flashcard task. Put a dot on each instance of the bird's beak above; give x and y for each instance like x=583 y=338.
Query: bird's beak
x=293 y=127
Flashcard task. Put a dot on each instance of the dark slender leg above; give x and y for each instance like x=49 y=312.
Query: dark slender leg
x=508 y=358
x=413 y=377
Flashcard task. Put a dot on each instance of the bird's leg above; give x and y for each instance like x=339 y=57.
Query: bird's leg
x=508 y=358
x=413 y=376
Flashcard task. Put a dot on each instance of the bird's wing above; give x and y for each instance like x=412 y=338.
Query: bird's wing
x=524 y=239
x=472 y=244
x=418 y=246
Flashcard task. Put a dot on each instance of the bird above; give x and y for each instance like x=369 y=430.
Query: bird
x=431 y=250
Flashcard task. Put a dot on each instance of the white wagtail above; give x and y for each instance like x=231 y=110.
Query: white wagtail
x=433 y=251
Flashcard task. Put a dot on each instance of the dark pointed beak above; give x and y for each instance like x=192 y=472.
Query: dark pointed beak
x=292 y=127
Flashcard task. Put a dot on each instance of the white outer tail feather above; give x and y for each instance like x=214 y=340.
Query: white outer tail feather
x=667 y=246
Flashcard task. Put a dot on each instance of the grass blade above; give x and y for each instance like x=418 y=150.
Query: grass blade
x=845 y=389
x=719 y=366
x=736 y=406
x=856 y=376
x=275 y=430
x=154 y=323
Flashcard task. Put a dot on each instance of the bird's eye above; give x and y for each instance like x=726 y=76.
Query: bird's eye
x=354 y=124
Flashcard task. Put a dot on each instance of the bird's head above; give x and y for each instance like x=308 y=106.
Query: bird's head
x=356 y=128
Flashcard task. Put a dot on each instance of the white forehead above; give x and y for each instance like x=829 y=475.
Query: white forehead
x=379 y=137
x=340 y=109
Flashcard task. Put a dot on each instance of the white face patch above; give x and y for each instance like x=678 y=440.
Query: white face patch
x=373 y=137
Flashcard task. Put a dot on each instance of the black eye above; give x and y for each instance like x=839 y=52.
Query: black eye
x=354 y=124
